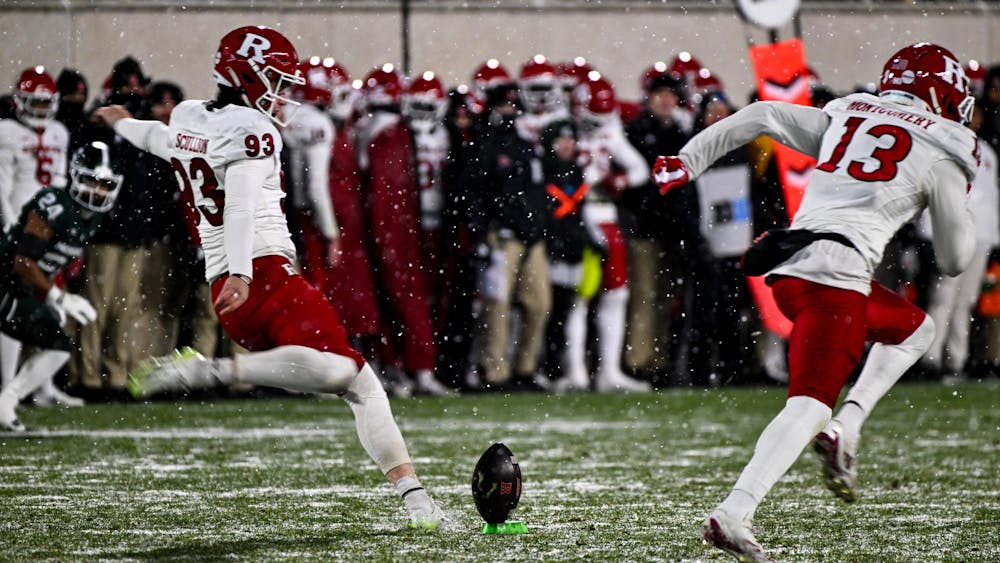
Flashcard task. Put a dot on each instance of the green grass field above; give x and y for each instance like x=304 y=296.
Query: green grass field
x=606 y=478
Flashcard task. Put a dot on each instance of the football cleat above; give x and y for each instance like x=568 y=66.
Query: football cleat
x=427 y=384
x=52 y=396
x=839 y=474
x=614 y=381
x=732 y=536
x=8 y=416
x=183 y=370
x=573 y=382
x=427 y=515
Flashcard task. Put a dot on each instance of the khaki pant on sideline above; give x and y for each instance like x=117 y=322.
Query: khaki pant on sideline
x=113 y=275
x=523 y=271
x=647 y=341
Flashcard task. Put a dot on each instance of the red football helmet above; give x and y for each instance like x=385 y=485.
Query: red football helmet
x=657 y=69
x=573 y=73
x=977 y=76
x=260 y=64
x=490 y=75
x=344 y=94
x=594 y=100
x=318 y=87
x=383 y=86
x=932 y=74
x=686 y=66
x=539 y=86
x=36 y=97
x=426 y=101
x=705 y=82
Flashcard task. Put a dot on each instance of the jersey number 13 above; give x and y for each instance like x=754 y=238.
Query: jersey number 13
x=888 y=157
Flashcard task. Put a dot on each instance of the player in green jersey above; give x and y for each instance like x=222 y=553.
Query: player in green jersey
x=52 y=231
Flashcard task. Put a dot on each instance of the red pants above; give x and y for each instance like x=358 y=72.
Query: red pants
x=283 y=309
x=615 y=265
x=348 y=285
x=830 y=328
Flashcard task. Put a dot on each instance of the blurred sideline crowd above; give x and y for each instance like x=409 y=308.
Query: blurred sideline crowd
x=502 y=235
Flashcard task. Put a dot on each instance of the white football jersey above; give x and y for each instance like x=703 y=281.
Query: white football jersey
x=202 y=144
x=30 y=159
x=605 y=147
x=309 y=138
x=432 y=152
x=880 y=163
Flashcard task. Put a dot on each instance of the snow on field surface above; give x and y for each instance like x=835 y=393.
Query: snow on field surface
x=606 y=478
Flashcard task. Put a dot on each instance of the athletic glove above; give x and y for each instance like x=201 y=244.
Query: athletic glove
x=70 y=304
x=669 y=172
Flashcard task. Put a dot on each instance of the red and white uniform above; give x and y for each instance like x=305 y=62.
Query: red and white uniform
x=385 y=157
x=610 y=160
x=351 y=285
x=309 y=138
x=206 y=148
x=880 y=163
x=431 y=144
x=228 y=160
x=30 y=159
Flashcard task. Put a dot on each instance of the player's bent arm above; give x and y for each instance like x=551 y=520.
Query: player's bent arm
x=150 y=136
x=951 y=219
x=318 y=161
x=29 y=247
x=798 y=127
x=244 y=180
x=628 y=157
x=7 y=211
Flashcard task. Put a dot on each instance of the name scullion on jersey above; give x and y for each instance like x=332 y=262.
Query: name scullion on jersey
x=918 y=120
x=191 y=143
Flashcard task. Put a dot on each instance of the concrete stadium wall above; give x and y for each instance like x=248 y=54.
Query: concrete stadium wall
x=846 y=45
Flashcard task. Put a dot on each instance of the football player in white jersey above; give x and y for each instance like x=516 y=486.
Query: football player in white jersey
x=226 y=155
x=610 y=164
x=32 y=146
x=424 y=105
x=33 y=149
x=882 y=160
x=309 y=138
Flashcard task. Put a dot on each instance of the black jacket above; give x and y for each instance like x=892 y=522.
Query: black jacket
x=648 y=215
x=502 y=175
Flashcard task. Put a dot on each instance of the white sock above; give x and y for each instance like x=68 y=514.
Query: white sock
x=778 y=447
x=886 y=363
x=576 y=341
x=408 y=485
x=611 y=328
x=377 y=430
x=851 y=416
x=413 y=494
x=36 y=370
x=295 y=368
x=740 y=504
x=10 y=353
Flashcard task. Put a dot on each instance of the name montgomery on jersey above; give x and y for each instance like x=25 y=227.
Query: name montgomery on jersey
x=918 y=120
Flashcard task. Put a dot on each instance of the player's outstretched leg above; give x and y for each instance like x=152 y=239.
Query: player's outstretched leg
x=295 y=368
x=383 y=441
x=36 y=370
x=779 y=445
x=837 y=443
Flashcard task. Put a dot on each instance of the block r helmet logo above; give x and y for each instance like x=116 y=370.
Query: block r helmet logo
x=255 y=43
